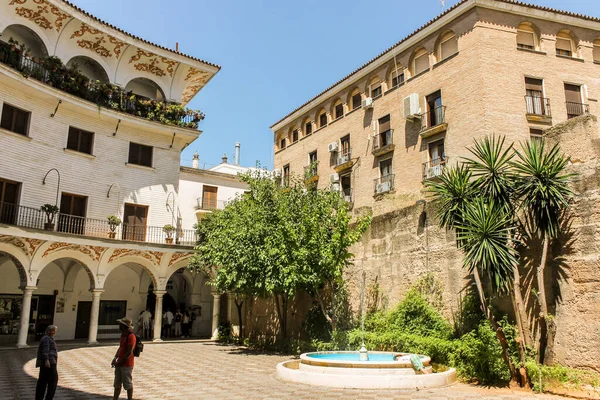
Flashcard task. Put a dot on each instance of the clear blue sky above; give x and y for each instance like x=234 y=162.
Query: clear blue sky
x=275 y=54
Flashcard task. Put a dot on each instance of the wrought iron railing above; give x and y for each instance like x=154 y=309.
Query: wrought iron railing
x=344 y=157
x=434 y=168
x=28 y=217
x=206 y=203
x=537 y=105
x=384 y=184
x=577 y=109
x=383 y=139
x=52 y=72
x=433 y=118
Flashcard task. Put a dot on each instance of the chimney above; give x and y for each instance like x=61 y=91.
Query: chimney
x=237 y=153
x=177 y=47
x=196 y=161
x=224 y=159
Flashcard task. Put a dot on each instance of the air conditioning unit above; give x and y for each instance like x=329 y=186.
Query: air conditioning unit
x=412 y=110
x=333 y=178
x=332 y=147
x=277 y=173
x=343 y=159
x=382 y=187
x=367 y=103
x=348 y=198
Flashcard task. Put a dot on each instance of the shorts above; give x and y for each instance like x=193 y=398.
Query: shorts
x=124 y=377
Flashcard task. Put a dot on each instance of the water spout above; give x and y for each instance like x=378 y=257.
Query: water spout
x=364 y=354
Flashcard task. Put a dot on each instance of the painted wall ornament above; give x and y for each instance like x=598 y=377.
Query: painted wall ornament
x=42 y=14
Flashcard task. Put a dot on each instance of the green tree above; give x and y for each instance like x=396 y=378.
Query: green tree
x=542 y=187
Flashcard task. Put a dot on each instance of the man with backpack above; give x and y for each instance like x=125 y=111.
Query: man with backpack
x=124 y=359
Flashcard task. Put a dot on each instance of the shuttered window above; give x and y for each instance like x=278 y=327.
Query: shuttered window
x=14 y=119
x=356 y=101
x=564 y=47
x=308 y=128
x=525 y=40
x=322 y=120
x=339 y=111
x=573 y=93
x=384 y=124
x=80 y=140
x=449 y=46
x=295 y=136
x=421 y=63
x=140 y=154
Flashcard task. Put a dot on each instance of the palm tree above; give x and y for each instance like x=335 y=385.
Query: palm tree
x=542 y=187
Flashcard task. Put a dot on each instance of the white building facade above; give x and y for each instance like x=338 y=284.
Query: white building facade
x=104 y=141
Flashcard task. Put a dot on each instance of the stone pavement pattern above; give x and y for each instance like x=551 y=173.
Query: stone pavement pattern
x=195 y=370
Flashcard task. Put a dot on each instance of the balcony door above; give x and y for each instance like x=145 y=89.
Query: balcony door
x=209 y=197
x=72 y=213
x=574 y=102
x=9 y=200
x=434 y=105
x=534 y=93
x=436 y=152
x=134 y=226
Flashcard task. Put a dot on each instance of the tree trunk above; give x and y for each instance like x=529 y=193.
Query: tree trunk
x=239 y=302
x=324 y=309
x=281 y=307
x=497 y=328
x=544 y=342
x=521 y=311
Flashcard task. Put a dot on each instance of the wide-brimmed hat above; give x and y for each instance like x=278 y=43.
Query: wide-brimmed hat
x=126 y=321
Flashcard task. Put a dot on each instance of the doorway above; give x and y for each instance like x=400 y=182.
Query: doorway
x=82 y=324
x=135 y=217
x=72 y=213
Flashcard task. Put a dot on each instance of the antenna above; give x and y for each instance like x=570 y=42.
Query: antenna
x=443 y=4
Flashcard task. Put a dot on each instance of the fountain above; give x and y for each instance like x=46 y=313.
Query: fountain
x=364 y=369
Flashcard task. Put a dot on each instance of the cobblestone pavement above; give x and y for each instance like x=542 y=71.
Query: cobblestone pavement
x=196 y=370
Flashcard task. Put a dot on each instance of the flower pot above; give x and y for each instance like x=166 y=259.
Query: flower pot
x=49 y=226
x=169 y=240
x=13 y=47
x=112 y=235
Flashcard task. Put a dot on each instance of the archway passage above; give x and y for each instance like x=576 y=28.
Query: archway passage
x=90 y=68
x=145 y=88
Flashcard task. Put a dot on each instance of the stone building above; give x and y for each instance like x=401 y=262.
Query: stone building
x=483 y=67
x=99 y=142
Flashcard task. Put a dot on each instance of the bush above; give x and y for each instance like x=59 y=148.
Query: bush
x=415 y=315
x=315 y=326
x=545 y=377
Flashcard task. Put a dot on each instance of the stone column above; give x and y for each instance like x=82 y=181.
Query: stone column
x=158 y=315
x=93 y=333
x=215 y=315
x=24 y=320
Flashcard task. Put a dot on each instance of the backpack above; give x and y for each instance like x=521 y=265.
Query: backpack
x=139 y=346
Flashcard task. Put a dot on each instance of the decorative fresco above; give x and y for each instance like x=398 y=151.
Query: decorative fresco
x=45 y=15
x=196 y=79
x=177 y=257
x=15 y=241
x=94 y=252
x=97 y=41
x=153 y=256
x=152 y=63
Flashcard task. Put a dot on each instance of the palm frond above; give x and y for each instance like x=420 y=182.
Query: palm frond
x=451 y=193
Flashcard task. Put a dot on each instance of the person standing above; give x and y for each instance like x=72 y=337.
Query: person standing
x=47 y=359
x=146 y=320
x=124 y=359
x=178 y=324
x=168 y=320
x=186 y=324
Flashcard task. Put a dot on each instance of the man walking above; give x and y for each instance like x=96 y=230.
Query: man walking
x=47 y=357
x=123 y=361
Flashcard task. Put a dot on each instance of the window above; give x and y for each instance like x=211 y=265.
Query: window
x=308 y=128
x=536 y=134
x=140 y=154
x=9 y=201
x=14 y=119
x=111 y=311
x=72 y=213
x=282 y=144
x=575 y=106
x=356 y=100
x=339 y=110
x=384 y=138
x=534 y=96
x=437 y=155
x=322 y=119
x=286 y=175
x=346 y=187
x=420 y=62
x=80 y=140
x=564 y=44
x=526 y=37
x=312 y=157
x=375 y=88
x=448 y=45
x=597 y=50
x=294 y=135
x=435 y=114
x=397 y=77
x=385 y=169
x=209 y=197
x=345 y=153
x=313 y=165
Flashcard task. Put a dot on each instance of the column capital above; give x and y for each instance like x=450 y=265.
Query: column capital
x=97 y=292
x=217 y=296
x=160 y=292
x=29 y=289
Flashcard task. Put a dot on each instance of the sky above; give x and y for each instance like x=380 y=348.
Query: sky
x=275 y=54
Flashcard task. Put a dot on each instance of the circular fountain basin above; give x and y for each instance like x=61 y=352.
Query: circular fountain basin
x=344 y=369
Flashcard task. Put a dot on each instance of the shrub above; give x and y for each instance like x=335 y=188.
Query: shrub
x=545 y=377
x=415 y=315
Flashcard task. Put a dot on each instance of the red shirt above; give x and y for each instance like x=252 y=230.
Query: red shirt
x=127 y=339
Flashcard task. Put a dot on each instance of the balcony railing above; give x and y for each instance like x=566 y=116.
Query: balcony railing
x=577 y=109
x=383 y=139
x=384 y=184
x=205 y=203
x=28 y=217
x=312 y=170
x=434 y=168
x=52 y=72
x=344 y=157
x=538 y=106
x=433 y=118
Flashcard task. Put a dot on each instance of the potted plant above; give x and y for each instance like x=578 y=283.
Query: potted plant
x=168 y=230
x=13 y=44
x=113 y=222
x=51 y=210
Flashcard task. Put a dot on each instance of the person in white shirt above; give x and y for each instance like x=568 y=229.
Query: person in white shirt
x=178 y=318
x=168 y=321
x=146 y=318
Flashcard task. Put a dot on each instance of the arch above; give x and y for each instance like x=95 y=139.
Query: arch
x=395 y=74
x=528 y=36
x=322 y=118
x=82 y=259
x=147 y=88
x=566 y=44
x=447 y=45
x=90 y=68
x=290 y=134
x=27 y=37
x=18 y=262
x=354 y=99
x=597 y=50
x=306 y=128
x=337 y=109
x=131 y=259
x=280 y=140
x=419 y=61
x=373 y=88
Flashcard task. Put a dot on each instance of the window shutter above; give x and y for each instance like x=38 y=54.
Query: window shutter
x=356 y=100
x=563 y=44
x=526 y=39
x=384 y=124
x=421 y=63
x=449 y=47
x=573 y=93
x=533 y=84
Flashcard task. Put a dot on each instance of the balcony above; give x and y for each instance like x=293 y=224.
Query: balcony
x=576 y=109
x=209 y=204
x=383 y=143
x=433 y=122
x=385 y=184
x=434 y=168
x=51 y=71
x=311 y=172
x=538 y=109
x=28 y=217
x=343 y=161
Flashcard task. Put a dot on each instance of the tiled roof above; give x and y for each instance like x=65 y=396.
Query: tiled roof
x=137 y=37
x=519 y=3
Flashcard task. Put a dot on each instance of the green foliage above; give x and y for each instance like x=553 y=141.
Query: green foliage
x=545 y=377
x=416 y=316
x=315 y=326
x=469 y=316
x=225 y=333
x=113 y=220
